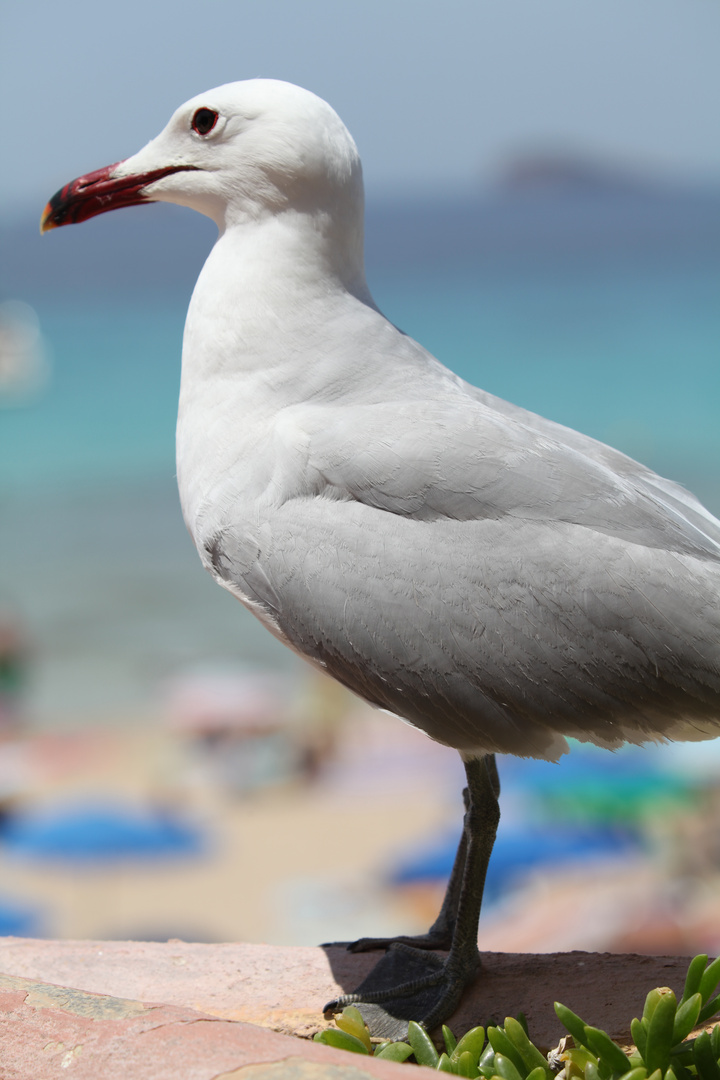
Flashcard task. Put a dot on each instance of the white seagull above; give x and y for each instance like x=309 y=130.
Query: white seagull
x=497 y=580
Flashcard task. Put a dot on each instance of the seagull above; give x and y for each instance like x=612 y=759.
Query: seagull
x=493 y=578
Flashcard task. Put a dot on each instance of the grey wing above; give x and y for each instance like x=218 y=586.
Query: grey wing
x=497 y=580
x=473 y=457
x=669 y=496
x=491 y=634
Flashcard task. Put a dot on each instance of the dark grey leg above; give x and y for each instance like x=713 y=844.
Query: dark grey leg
x=493 y=773
x=408 y=984
x=440 y=934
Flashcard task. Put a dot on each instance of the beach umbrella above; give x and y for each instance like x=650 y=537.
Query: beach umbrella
x=100 y=832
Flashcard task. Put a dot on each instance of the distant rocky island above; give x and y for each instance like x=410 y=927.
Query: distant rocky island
x=566 y=173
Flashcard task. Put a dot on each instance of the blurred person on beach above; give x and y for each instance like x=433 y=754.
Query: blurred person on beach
x=13 y=668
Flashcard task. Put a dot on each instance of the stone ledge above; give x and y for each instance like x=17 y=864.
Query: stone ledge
x=46 y=1029
x=285 y=988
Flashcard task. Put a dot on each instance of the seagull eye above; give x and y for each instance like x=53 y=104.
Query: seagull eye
x=204 y=121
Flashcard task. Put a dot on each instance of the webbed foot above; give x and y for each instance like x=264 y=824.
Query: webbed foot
x=407 y=984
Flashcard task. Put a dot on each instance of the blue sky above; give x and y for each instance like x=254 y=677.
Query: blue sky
x=437 y=94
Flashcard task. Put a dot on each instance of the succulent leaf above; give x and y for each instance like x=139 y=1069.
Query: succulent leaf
x=342 y=1040
x=660 y=1032
x=686 y=1018
x=709 y=1009
x=422 y=1045
x=715 y=1040
x=449 y=1039
x=607 y=1050
x=394 y=1051
x=502 y=1044
x=638 y=1073
x=710 y=979
x=465 y=1065
x=652 y=1000
x=487 y=1057
x=506 y=1068
x=351 y=1021
x=531 y=1056
x=705 y=1061
x=639 y=1035
x=576 y=1059
x=472 y=1042
x=572 y=1022
x=695 y=972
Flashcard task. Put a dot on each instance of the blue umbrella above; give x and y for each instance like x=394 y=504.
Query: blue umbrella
x=18 y=921
x=100 y=832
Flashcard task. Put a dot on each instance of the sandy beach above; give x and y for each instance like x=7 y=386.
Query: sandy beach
x=295 y=862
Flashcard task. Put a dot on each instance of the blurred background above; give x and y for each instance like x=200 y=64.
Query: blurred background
x=543 y=213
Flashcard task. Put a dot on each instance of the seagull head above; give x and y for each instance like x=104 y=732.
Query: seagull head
x=239 y=152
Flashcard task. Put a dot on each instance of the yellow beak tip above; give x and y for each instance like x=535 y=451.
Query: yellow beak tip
x=46 y=222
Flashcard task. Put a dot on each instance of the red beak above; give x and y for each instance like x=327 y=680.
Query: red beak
x=98 y=192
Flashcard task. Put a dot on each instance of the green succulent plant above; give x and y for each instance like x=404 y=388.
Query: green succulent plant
x=662 y=1050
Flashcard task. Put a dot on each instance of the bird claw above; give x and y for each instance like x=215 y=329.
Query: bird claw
x=406 y=984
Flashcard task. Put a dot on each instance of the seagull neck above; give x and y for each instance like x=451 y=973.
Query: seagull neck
x=326 y=244
x=267 y=287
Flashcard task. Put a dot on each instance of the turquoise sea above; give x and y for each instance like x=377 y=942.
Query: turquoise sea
x=598 y=309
